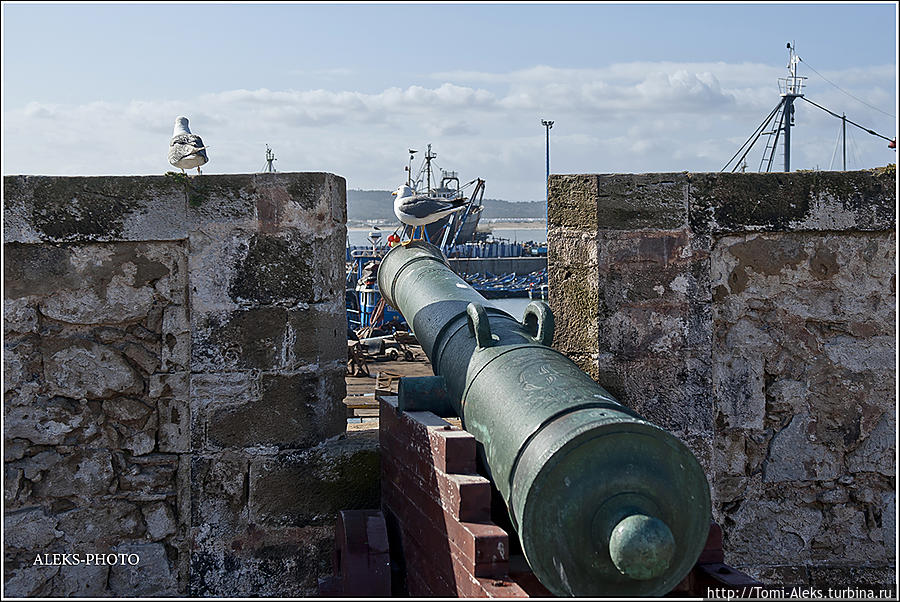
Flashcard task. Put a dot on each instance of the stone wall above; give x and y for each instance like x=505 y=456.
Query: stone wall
x=173 y=375
x=753 y=316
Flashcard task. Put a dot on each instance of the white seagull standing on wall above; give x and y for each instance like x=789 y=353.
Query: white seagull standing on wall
x=419 y=210
x=186 y=150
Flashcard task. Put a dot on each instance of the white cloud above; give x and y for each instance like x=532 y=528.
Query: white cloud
x=629 y=117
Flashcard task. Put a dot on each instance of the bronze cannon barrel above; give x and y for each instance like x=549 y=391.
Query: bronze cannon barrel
x=604 y=502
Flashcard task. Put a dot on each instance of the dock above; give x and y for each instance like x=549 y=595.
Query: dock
x=362 y=407
x=497 y=265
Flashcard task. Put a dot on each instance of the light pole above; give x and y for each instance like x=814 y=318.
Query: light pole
x=548 y=125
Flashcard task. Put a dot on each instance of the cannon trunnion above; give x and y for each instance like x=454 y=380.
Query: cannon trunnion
x=604 y=502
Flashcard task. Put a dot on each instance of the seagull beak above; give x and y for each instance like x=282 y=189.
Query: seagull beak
x=394 y=193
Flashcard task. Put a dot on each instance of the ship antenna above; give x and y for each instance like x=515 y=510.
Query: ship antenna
x=428 y=157
x=412 y=154
x=270 y=161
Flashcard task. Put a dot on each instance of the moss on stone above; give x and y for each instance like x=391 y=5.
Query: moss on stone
x=274 y=270
x=573 y=201
x=303 y=192
x=781 y=201
x=309 y=488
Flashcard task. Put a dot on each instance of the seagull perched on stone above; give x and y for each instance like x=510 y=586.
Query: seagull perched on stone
x=186 y=150
x=419 y=209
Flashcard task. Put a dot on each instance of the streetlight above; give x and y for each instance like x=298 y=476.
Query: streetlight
x=548 y=125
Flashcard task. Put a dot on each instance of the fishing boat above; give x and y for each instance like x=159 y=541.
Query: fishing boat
x=456 y=228
x=369 y=316
x=366 y=310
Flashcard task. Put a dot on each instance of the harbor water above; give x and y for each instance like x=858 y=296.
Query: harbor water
x=359 y=236
x=513 y=306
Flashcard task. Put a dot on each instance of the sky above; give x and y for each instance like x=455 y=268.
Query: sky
x=94 y=89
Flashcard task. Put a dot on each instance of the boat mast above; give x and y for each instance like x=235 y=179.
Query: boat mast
x=844 y=137
x=428 y=157
x=793 y=89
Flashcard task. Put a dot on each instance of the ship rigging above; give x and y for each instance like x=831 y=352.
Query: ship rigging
x=778 y=123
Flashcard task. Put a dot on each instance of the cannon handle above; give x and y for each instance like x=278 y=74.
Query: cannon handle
x=539 y=322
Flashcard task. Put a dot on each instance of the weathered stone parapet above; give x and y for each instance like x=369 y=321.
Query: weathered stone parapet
x=751 y=315
x=158 y=330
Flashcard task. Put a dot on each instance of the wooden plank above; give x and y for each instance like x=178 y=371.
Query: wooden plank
x=361 y=402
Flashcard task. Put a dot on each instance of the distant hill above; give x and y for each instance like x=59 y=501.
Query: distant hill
x=379 y=204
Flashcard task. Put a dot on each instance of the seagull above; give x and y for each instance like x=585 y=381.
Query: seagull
x=419 y=210
x=186 y=150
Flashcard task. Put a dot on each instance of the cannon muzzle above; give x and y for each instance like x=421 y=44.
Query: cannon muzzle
x=604 y=502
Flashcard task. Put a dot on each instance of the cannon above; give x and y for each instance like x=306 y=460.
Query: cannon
x=604 y=502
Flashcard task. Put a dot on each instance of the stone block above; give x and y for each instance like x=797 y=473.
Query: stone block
x=61 y=209
x=846 y=534
x=34 y=466
x=796 y=456
x=83 y=473
x=151 y=576
x=210 y=390
x=85 y=370
x=571 y=248
x=876 y=452
x=293 y=411
x=12 y=483
x=171 y=393
x=738 y=384
x=670 y=392
x=788 y=528
x=311 y=202
x=219 y=495
x=135 y=421
x=275 y=270
x=824 y=201
x=577 y=324
x=94 y=284
x=27 y=581
x=268 y=338
x=296 y=489
x=619 y=201
x=160 y=520
x=54 y=421
x=263 y=562
x=147 y=477
x=176 y=339
x=633 y=202
x=574 y=202
x=29 y=529
x=81 y=581
x=23 y=369
x=101 y=526
x=246 y=269
x=19 y=315
x=645 y=330
x=225 y=388
x=144 y=356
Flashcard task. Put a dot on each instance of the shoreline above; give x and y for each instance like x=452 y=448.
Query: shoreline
x=494 y=225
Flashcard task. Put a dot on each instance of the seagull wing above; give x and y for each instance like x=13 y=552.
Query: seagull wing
x=185 y=145
x=421 y=207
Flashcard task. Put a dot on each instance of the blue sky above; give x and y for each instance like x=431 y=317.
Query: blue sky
x=348 y=88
